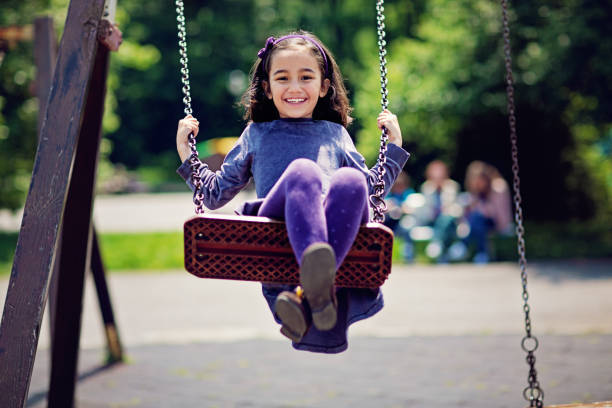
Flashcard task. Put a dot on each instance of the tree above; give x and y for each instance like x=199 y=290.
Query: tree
x=447 y=89
x=446 y=85
x=18 y=104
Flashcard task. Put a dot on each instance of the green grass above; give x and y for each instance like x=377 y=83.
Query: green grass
x=148 y=251
x=163 y=251
x=8 y=242
x=134 y=251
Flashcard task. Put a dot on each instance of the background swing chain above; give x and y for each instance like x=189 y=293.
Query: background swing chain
x=533 y=392
x=194 y=160
x=377 y=198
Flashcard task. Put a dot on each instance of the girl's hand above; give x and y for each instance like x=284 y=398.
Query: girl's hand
x=186 y=126
x=389 y=121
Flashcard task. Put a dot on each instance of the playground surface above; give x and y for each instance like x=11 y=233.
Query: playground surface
x=449 y=336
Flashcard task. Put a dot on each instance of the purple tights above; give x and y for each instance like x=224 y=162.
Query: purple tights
x=297 y=198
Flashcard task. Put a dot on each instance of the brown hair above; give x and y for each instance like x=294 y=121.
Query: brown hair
x=479 y=169
x=334 y=106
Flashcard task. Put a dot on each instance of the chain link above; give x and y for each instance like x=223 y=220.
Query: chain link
x=194 y=161
x=533 y=392
x=377 y=198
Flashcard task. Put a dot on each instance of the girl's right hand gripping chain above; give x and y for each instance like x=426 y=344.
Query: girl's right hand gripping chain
x=186 y=126
x=389 y=121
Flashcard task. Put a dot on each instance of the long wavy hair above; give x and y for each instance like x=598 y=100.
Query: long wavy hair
x=334 y=106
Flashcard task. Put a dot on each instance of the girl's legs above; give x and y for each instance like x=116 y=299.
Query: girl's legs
x=311 y=224
x=346 y=208
x=296 y=197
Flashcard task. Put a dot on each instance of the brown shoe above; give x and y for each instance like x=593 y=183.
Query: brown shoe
x=317 y=275
x=290 y=310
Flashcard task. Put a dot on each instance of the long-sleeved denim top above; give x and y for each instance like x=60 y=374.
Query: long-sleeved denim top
x=263 y=151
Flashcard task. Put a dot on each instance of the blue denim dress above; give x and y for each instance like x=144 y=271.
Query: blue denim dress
x=263 y=152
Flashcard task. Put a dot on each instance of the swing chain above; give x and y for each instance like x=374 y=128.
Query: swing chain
x=533 y=392
x=194 y=161
x=377 y=198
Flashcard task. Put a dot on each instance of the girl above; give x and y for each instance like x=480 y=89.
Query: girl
x=306 y=171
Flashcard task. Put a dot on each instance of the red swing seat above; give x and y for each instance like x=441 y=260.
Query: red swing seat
x=257 y=249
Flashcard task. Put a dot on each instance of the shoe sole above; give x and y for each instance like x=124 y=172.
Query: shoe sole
x=317 y=275
x=294 y=325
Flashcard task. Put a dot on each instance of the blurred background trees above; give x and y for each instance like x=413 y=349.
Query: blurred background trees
x=446 y=86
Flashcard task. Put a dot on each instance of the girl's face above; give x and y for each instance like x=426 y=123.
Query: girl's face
x=295 y=83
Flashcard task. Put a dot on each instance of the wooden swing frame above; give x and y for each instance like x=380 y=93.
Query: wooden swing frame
x=57 y=241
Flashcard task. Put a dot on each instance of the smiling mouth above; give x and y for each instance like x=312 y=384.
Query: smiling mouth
x=295 y=100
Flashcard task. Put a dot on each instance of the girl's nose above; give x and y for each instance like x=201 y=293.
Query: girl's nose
x=294 y=84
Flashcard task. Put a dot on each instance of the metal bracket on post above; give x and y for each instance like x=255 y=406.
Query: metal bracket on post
x=110 y=7
x=108 y=31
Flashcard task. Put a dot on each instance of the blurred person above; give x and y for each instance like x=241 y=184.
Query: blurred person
x=441 y=209
x=396 y=214
x=488 y=209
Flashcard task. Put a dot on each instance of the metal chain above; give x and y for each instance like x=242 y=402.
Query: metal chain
x=377 y=199
x=533 y=392
x=194 y=160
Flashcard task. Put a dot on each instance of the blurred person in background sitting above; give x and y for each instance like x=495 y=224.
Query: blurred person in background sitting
x=488 y=209
x=396 y=215
x=441 y=209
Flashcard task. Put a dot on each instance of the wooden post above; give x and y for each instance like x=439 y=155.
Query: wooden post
x=45 y=54
x=76 y=242
x=44 y=208
x=115 y=351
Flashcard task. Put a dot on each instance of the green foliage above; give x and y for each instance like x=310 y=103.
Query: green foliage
x=18 y=104
x=8 y=243
x=18 y=113
x=435 y=78
x=446 y=85
x=223 y=40
x=556 y=241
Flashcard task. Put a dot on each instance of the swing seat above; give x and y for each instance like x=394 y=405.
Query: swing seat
x=257 y=249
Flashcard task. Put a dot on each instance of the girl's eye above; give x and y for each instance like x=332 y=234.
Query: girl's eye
x=282 y=78
x=306 y=77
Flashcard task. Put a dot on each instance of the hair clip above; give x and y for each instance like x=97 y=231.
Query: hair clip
x=264 y=51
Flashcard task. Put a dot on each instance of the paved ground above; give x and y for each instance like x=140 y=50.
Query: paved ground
x=433 y=372
x=449 y=336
